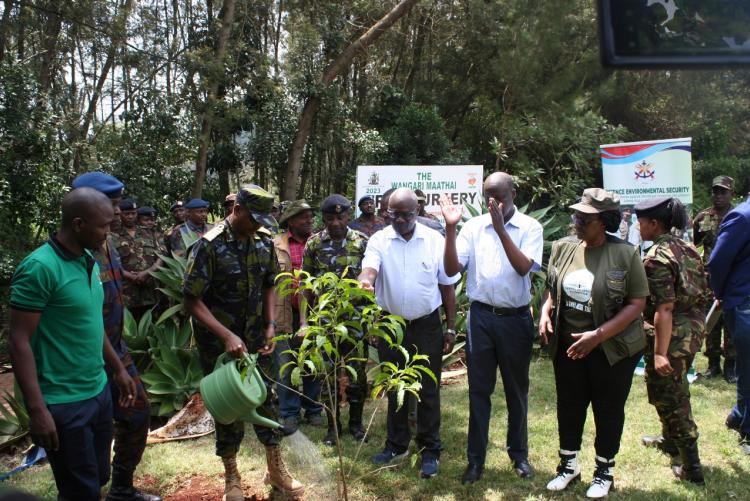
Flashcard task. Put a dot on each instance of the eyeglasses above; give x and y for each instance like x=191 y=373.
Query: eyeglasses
x=401 y=214
x=581 y=220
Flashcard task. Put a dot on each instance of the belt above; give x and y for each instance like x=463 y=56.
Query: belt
x=503 y=312
x=408 y=322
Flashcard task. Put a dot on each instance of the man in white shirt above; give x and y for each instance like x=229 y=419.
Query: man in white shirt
x=498 y=251
x=404 y=262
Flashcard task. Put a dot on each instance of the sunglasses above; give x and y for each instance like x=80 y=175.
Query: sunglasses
x=583 y=220
x=404 y=215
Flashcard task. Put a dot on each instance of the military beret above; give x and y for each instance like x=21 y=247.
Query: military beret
x=596 y=200
x=128 y=204
x=109 y=185
x=146 y=211
x=197 y=203
x=725 y=182
x=365 y=199
x=176 y=205
x=335 y=204
x=294 y=208
x=259 y=203
x=646 y=207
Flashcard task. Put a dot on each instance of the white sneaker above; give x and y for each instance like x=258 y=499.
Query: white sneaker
x=568 y=471
x=603 y=481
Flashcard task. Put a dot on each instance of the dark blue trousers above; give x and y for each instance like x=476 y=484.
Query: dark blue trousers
x=81 y=464
x=505 y=342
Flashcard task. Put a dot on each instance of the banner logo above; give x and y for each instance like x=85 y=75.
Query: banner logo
x=644 y=171
x=374 y=179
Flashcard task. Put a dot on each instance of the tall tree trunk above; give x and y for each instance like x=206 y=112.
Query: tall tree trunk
x=4 y=26
x=312 y=104
x=23 y=15
x=208 y=115
x=118 y=37
x=51 y=32
x=416 y=60
x=276 y=39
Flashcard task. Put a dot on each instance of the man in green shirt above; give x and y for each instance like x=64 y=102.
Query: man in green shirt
x=58 y=348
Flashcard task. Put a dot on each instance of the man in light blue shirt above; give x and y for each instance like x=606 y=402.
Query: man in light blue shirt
x=404 y=263
x=498 y=251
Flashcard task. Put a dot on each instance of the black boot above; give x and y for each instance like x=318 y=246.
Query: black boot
x=667 y=447
x=714 y=367
x=355 y=422
x=122 y=489
x=692 y=471
x=730 y=374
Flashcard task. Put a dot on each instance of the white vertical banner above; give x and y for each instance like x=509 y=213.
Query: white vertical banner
x=462 y=183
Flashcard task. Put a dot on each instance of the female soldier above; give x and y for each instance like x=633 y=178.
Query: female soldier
x=596 y=292
x=676 y=309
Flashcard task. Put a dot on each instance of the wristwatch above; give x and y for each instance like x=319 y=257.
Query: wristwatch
x=271 y=322
x=452 y=332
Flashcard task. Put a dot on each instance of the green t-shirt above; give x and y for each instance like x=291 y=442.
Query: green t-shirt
x=69 y=340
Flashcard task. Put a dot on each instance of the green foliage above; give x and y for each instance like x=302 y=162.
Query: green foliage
x=342 y=313
x=416 y=136
x=175 y=372
x=170 y=274
x=554 y=156
x=14 y=422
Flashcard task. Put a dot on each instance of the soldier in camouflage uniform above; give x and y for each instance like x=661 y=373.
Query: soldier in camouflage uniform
x=706 y=228
x=334 y=249
x=367 y=223
x=229 y=291
x=676 y=308
x=197 y=214
x=131 y=421
x=139 y=248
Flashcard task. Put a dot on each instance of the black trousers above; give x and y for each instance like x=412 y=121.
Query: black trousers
x=81 y=464
x=504 y=341
x=592 y=380
x=426 y=335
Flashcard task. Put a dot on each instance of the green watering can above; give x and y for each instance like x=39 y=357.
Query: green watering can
x=228 y=398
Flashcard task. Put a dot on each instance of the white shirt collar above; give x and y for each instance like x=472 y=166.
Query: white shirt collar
x=419 y=230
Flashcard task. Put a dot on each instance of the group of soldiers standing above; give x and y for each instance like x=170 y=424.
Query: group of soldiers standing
x=229 y=291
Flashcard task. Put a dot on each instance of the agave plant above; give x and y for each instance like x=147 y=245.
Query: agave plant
x=14 y=422
x=175 y=371
x=171 y=274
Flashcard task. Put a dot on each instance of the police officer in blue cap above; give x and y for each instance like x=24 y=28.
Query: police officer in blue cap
x=131 y=410
x=195 y=222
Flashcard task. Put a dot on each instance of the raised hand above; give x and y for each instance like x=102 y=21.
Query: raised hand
x=451 y=212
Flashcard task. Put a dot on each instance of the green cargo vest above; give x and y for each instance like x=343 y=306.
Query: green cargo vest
x=607 y=293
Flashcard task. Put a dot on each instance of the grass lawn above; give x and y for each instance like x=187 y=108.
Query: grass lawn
x=640 y=473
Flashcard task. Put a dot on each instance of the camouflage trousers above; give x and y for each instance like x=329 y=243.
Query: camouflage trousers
x=671 y=397
x=230 y=436
x=714 y=348
x=131 y=428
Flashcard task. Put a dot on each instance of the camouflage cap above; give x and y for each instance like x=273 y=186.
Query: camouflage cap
x=294 y=208
x=259 y=203
x=176 y=205
x=596 y=200
x=725 y=182
x=231 y=198
x=421 y=197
